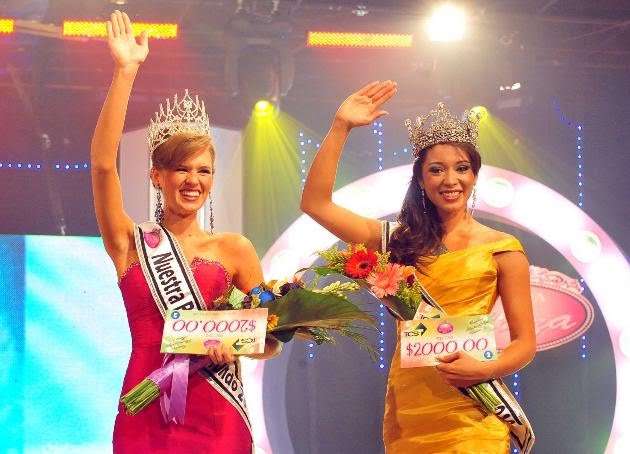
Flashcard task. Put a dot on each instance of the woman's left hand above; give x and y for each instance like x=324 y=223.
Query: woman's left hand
x=461 y=370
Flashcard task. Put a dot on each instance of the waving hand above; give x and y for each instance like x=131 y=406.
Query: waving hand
x=360 y=108
x=123 y=46
x=364 y=106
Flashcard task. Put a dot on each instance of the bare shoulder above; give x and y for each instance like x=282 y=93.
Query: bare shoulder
x=489 y=235
x=233 y=242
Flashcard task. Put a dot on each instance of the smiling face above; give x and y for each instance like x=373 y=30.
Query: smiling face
x=183 y=168
x=186 y=187
x=448 y=177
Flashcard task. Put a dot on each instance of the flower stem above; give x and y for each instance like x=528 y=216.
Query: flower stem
x=140 y=396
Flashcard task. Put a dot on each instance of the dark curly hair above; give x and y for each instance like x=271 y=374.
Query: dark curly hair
x=420 y=231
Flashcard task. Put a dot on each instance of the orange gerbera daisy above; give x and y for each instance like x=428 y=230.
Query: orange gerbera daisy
x=360 y=263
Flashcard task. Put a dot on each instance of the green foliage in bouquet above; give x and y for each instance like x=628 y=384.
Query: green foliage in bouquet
x=313 y=314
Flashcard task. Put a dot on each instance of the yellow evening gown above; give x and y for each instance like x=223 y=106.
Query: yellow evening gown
x=422 y=413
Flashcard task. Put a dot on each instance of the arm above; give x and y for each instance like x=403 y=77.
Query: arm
x=114 y=224
x=361 y=108
x=247 y=275
x=460 y=369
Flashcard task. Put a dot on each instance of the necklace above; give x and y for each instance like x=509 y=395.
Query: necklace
x=441 y=249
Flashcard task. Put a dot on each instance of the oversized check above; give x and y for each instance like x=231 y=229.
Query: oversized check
x=422 y=340
x=194 y=332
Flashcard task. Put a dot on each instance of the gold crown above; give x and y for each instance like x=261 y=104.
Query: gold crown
x=186 y=115
x=439 y=126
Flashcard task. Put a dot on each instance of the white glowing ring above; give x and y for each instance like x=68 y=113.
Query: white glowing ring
x=534 y=207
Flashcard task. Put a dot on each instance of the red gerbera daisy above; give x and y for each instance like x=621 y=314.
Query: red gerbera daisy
x=360 y=264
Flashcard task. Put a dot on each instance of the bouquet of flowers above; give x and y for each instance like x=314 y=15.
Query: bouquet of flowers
x=400 y=291
x=293 y=311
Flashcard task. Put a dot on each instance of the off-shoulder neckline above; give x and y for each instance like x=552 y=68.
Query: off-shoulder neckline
x=477 y=246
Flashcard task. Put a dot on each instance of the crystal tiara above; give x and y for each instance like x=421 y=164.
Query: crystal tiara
x=186 y=115
x=439 y=126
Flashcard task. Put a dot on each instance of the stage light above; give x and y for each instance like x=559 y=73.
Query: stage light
x=479 y=110
x=263 y=107
x=259 y=60
x=93 y=29
x=7 y=26
x=515 y=86
x=447 y=23
x=376 y=40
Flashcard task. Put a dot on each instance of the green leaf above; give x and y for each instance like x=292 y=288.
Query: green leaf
x=304 y=308
x=284 y=336
x=323 y=270
x=399 y=308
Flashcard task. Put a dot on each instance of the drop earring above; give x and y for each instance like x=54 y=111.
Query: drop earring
x=159 y=211
x=474 y=201
x=211 y=216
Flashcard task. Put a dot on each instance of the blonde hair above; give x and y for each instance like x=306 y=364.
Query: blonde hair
x=180 y=147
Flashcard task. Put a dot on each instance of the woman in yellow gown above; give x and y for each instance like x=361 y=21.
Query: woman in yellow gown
x=463 y=264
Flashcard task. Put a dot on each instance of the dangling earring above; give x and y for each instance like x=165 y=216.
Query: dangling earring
x=474 y=201
x=424 y=203
x=159 y=211
x=211 y=216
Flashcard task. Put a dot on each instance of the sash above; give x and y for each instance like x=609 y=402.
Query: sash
x=508 y=410
x=173 y=286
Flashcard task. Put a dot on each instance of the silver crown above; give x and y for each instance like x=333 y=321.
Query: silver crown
x=186 y=115
x=439 y=126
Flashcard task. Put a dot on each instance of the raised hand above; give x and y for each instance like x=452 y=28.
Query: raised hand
x=364 y=106
x=125 y=50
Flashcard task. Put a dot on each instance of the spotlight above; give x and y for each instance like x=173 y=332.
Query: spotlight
x=515 y=86
x=361 y=10
x=263 y=108
x=259 y=62
x=479 y=110
x=447 y=23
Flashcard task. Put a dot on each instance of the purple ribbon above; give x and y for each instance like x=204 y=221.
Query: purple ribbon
x=172 y=379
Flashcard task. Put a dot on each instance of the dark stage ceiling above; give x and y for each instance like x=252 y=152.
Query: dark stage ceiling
x=45 y=79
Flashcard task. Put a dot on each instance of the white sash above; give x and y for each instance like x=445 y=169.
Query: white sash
x=173 y=286
x=509 y=410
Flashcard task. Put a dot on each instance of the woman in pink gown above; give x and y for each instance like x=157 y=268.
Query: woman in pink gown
x=182 y=172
